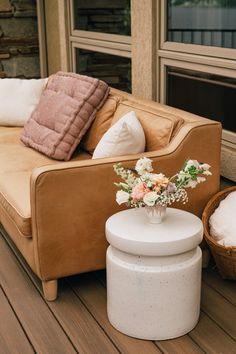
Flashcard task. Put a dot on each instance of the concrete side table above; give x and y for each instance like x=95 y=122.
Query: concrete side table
x=153 y=273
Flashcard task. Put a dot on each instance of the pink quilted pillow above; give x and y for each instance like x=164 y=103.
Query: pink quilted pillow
x=65 y=112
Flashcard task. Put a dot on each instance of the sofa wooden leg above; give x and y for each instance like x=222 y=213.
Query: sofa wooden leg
x=50 y=289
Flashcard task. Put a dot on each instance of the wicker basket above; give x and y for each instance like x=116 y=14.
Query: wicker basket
x=225 y=257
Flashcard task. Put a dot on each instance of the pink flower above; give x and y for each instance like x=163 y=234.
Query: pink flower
x=139 y=191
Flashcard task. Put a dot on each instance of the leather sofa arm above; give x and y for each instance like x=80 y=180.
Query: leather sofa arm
x=71 y=201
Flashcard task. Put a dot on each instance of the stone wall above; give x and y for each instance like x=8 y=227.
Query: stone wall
x=19 y=48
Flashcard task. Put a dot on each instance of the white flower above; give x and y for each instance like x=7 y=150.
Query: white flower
x=205 y=169
x=143 y=165
x=191 y=163
x=201 y=179
x=150 y=198
x=150 y=178
x=207 y=173
x=156 y=177
x=123 y=185
x=191 y=183
x=147 y=176
x=205 y=166
x=122 y=197
x=131 y=181
x=182 y=176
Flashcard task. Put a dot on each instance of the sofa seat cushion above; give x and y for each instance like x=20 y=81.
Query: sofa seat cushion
x=10 y=135
x=15 y=199
x=15 y=196
x=16 y=165
x=17 y=157
x=159 y=126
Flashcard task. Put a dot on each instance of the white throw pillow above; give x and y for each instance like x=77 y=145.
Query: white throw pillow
x=18 y=99
x=222 y=221
x=125 y=137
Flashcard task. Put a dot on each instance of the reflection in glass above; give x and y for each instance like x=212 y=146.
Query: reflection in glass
x=103 y=16
x=113 y=69
x=207 y=95
x=204 y=22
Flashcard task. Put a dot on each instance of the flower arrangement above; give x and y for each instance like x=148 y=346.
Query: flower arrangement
x=142 y=187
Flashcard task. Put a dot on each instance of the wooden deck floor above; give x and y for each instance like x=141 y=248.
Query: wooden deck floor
x=77 y=321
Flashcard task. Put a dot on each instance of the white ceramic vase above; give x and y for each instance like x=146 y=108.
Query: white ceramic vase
x=155 y=214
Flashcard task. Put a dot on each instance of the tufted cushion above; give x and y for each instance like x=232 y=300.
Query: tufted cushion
x=66 y=110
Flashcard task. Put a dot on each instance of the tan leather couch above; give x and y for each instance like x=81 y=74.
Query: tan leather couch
x=55 y=212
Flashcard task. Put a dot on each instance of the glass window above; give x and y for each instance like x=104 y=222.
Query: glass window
x=103 y=16
x=208 y=95
x=113 y=69
x=204 y=22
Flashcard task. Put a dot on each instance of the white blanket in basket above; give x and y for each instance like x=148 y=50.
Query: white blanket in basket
x=223 y=221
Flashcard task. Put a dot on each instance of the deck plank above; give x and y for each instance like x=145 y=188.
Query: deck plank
x=42 y=328
x=12 y=336
x=93 y=295
x=77 y=321
x=211 y=338
x=85 y=333
x=183 y=345
x=219 y=309
x=83 y=330
x=226 y=288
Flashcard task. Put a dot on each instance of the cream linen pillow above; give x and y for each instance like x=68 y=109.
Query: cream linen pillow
x=18 y=99
x=125 y=137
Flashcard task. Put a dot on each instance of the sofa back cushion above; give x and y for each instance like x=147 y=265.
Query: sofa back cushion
x=100 y=125
x=158 y=125
x=66 y=110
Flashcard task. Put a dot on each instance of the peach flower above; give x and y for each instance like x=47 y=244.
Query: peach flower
x=139 y=191
x=157 y=188
x=160 y=180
